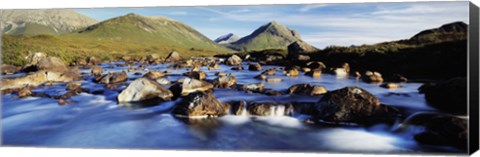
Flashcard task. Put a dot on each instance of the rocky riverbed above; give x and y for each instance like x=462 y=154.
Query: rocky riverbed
x=228 y=103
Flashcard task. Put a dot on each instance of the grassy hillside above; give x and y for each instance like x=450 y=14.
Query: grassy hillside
x=269 y=36
x=131 y=35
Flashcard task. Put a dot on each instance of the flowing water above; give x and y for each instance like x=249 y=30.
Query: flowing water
x=96 y=121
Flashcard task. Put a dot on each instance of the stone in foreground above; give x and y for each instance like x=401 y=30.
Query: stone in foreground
x=199 y=104
x=144 y=89
x=353 y=104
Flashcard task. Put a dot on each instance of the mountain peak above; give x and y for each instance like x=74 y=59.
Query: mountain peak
x=271 y=35
x=449 y=31
x=227 y=39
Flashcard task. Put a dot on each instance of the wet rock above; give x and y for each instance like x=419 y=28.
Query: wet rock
x=256 y=87
x=292 y=72
x=138 y=73
x=372 y=77
x=96 y=70
x=255 y=67
x=110 y=78
x=199 y=75
x=306 y=69
x=261 y=77
x=111 y=86
x=314 y=73
x=225 y=81
x=152 y=57
x=233 y=60
x=353 y=104
x=449 y=96
x=199 y=104
x=316 y=66
x=239 y=108
x=154 y=75
x=64 y=102
x=307 y=89
x=167 y=71
x=24 y=92
x=131 y=69
x=437 y=129
x=220 y=74
x=144 y=89
x=71 y=86
x=397 y=78
x=270 y=109
x=274 y=80
x=34 y=58
x=272 y=92
x=390 y=85
x=48 y=64
x=173 y=56
x=270 y=71
x=163 y=81
x=299 y=50
x=38 y=78
x=237 y=68
x=9 y=69
x=94 y=60
x=190 y=85
x=213 y=66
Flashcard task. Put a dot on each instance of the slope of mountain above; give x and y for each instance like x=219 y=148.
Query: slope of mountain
x=438 y=53
x=130 y=34
x=450 y=31
x=269 y=36
x=51 y=21
x=227 y=39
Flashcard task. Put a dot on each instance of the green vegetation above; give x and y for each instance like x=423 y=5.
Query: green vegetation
x=131 y=35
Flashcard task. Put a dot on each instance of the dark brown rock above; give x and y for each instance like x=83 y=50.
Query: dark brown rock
x=449 y=96
x=199 y=104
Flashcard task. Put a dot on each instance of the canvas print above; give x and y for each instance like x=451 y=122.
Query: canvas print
x=354 y=78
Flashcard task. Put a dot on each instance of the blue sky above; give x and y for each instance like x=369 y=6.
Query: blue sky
x=319 y=24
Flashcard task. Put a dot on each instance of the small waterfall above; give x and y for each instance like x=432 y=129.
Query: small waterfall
x=277 y=110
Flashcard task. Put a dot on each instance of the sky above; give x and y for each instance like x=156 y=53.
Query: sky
x=318 y=24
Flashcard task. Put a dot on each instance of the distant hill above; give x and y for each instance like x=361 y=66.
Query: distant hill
x=272 y=35
x=130 y=34
x=438 y=53
x=227 y=39
x=51 y=21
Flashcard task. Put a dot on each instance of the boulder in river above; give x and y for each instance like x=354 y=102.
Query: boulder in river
x=255 y=67
x=24 y=92
x=74 y=85
x=372 y=77
x=199 y=104
x=255 y=87
x=270 y=71
x=9 y=69
x=110 y=78
x=449 y=96
x=154 y=74
x=437 y=129
x=96 y=70
x=237 y=68
x=173 y=57
x=270 y=109
x=189 y=85
x=292 y=72
x=48 y=64
x=354 y=104
x=163 y=81
x=299 y=50
x=314 y=73
x=199 y=75
x=225 y=81
x=239 y=108
x=274 y=80
x=94 y=60
x=316 y=66
x=390 y=85
x=233 y=60
x=144 y=89
x=307 y=89
x=38 y=78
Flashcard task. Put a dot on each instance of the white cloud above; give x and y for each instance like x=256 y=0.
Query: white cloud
x=307 y=8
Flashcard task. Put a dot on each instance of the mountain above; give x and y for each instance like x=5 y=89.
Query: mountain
x=450 y=31
x=269 y=36
x=227 y=39
x=130 y=34
x=51 y=21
